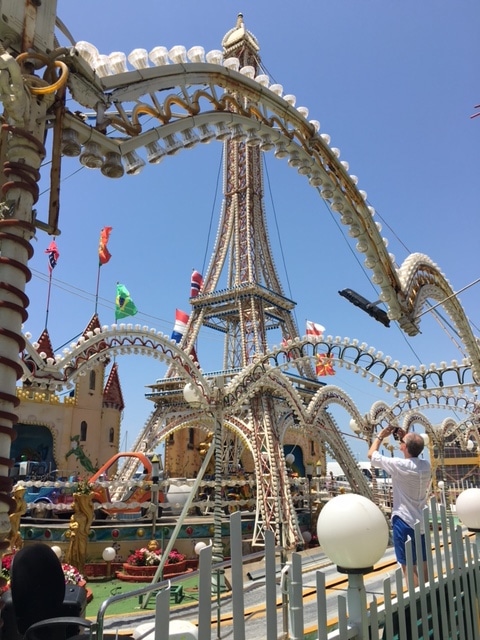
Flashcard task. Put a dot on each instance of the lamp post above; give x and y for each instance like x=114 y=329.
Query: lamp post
x=309 y=474
x=441 y=486
x=155 y=477
x=353 y=533
x=108 y=556
x=193 y=397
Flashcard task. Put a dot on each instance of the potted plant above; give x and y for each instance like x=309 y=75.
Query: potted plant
x=144 y=562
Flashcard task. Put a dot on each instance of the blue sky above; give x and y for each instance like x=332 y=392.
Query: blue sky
x=393 y=83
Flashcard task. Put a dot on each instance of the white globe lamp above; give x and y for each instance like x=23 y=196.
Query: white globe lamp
x=353 y=532
x=289 y=459
x=468 y=509
x=57 y=551
x=199 y=546
x=108 y=556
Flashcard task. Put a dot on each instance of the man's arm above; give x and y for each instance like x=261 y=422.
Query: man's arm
x=381 y=435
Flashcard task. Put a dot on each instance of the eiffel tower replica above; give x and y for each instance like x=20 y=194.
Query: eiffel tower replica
x=251 y=304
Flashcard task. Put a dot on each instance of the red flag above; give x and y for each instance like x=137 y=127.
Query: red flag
x=196 y=284
x=285 y=341
x=104 y=254
x=324 y=366
x=53 y=255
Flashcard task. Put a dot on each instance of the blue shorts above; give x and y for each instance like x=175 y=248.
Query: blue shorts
x=401 y=532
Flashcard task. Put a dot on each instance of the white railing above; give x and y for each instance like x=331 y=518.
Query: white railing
x=447 y=606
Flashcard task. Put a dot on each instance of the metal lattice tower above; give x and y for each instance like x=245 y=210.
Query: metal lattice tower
x=252 y=301
x=242 y=297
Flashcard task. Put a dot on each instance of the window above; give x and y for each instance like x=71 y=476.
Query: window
x=83 y=431
x=111 y=435
x=92 y=381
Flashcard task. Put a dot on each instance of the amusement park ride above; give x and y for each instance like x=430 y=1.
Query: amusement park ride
x=258 y=400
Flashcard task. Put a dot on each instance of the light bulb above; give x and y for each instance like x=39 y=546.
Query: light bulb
x=118 y=61
x=155 y=153
x=232 y=63
x=112 y=166
x=196 y=54
x=277 y=89
x=138 y=58
x=133 y=163
x=248 y=71
x=178 y=54
x=91 y=156
x=159 y=56
x=214 y=57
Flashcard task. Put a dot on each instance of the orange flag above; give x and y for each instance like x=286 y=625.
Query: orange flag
x=324 y=366
x=104 y=254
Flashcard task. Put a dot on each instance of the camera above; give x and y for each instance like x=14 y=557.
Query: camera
x=395 y=434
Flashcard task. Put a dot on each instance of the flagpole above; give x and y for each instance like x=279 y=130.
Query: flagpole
x=98 y=286
x=48 y=298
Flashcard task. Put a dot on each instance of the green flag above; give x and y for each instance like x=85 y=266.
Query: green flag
x=124 y=305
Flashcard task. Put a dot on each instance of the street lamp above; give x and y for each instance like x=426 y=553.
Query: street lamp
x=353 y=533
x=193 y=397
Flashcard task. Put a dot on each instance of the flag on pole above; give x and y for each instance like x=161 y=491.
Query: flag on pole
x=196 y=284
x=181 y=321
x=124 y=305
x=314 y=329
x=285 y=342
x=53 y=255
x=324 y=366
x=104 y=254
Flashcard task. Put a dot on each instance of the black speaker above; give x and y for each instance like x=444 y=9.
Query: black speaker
x=74 y=604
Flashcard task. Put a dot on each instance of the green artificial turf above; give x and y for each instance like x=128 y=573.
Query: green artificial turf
x=104 y=589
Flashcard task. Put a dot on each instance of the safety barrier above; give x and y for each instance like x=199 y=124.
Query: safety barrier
x=446 y=606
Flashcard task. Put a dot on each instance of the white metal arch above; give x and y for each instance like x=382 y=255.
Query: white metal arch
x=185 y=98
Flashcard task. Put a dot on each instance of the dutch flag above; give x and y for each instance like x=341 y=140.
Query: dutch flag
x=181 y=321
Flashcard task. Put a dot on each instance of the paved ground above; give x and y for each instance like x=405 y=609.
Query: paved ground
x=254 y=597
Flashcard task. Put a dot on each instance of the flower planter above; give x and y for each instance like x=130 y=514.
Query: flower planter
x=134 y=570
x=134 y=573
x=175 y=568
x=192 y=564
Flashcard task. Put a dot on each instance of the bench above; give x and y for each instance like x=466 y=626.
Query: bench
x=176 y=594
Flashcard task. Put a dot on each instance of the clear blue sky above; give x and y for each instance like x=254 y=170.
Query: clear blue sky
x=393 y=83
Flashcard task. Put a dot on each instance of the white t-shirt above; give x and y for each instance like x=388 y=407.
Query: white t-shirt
x=410 y=482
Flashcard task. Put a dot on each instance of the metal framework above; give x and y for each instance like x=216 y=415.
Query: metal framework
x=192 y=101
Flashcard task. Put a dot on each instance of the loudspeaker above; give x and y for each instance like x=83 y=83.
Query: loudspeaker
x=74 y=604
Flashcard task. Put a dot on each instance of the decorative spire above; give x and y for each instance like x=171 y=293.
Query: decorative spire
x=92 y=325
x=45 y=345
x=241 y=44
x=112 y=394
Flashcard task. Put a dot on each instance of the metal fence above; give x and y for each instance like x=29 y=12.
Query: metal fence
x=445 y=607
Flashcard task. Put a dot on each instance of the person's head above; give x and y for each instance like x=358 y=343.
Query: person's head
x=413 y=443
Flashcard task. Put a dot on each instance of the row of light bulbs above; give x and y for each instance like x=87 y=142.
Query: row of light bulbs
x=139 y=58
x=116 y=62
x=113 y=165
